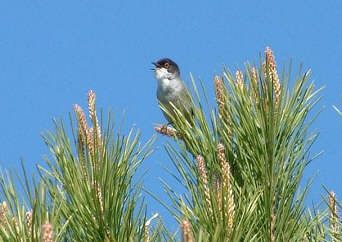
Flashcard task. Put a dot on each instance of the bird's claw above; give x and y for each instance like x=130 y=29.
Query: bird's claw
x=164 y=128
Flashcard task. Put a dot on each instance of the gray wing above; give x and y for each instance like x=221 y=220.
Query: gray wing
x=185 y=105
x=182 y=101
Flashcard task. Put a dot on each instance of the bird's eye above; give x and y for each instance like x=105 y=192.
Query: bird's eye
x=166 y=65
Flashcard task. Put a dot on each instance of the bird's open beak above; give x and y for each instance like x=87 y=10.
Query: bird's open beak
x=156 y=66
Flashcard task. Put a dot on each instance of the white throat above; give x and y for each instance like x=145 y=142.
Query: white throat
x=167 y=80
x=162 y=73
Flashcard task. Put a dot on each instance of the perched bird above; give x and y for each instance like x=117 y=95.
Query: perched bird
x=171 y=89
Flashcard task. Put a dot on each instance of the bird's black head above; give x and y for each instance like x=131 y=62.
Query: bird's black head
x=168 y=64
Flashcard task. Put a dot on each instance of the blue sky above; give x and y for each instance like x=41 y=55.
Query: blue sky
x=53 y=52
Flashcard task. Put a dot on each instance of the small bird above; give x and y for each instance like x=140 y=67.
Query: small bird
x=171 y=89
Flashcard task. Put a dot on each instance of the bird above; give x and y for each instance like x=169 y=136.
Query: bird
x=172 y=92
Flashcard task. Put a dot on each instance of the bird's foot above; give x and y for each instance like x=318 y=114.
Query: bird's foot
x=164 y=128
x=168 y=131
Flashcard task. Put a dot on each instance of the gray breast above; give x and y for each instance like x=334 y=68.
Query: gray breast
x=178 y=96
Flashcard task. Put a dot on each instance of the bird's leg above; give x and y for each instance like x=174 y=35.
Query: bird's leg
x=165 y=126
